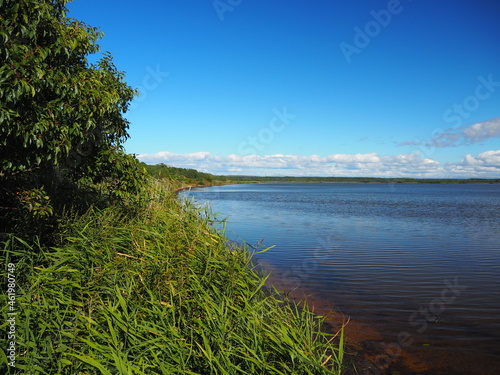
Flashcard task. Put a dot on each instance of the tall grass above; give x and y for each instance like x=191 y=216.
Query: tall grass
x=153 y=290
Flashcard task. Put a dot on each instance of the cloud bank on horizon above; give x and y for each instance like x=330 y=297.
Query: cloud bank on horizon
x=415 y=164
x=484 y=165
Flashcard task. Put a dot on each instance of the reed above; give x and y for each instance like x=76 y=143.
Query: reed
x=154 y=288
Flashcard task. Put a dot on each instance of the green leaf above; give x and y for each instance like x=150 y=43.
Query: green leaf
x=91 y=361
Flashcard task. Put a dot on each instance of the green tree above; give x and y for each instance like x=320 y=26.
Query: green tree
x=60 y=116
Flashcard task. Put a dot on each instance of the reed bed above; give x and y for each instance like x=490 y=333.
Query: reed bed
x=153 y=288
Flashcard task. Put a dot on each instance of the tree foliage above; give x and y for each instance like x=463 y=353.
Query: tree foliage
x=59 y=115
x=183 y=175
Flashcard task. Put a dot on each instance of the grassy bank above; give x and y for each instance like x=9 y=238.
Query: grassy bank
x=152 y=288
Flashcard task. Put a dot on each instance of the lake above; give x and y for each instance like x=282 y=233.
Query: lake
x=415 y=267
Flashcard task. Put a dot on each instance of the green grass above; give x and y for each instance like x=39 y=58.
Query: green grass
x=153 y=290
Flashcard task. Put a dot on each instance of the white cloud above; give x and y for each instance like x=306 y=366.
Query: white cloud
x=467 y=135
x=486 y=163
x=483 y=130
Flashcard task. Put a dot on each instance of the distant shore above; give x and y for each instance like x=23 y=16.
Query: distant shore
x=395 y=180
x=234 y=180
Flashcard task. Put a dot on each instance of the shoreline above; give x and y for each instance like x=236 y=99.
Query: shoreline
x=458 y=182
x=363 y=343
x=189 y=187
x=369 y=346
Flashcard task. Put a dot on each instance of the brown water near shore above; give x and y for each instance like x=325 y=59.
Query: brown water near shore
x=373 y=350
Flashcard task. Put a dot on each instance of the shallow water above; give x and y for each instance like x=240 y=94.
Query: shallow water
x=416 y=267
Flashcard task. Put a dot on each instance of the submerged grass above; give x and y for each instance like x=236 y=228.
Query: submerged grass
x=158 y=291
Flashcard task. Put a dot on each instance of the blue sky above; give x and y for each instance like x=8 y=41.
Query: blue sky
x=325 y=88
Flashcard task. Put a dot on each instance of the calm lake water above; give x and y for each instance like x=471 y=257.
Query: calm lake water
x=416 y=267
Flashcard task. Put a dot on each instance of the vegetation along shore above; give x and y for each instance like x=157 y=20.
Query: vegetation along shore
x=149 y=287
x=105 y=270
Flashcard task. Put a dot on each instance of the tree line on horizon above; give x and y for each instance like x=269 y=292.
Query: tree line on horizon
x=249 y=179
x=190 y=175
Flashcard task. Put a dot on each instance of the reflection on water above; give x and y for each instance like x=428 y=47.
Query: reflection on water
x=419 y=262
